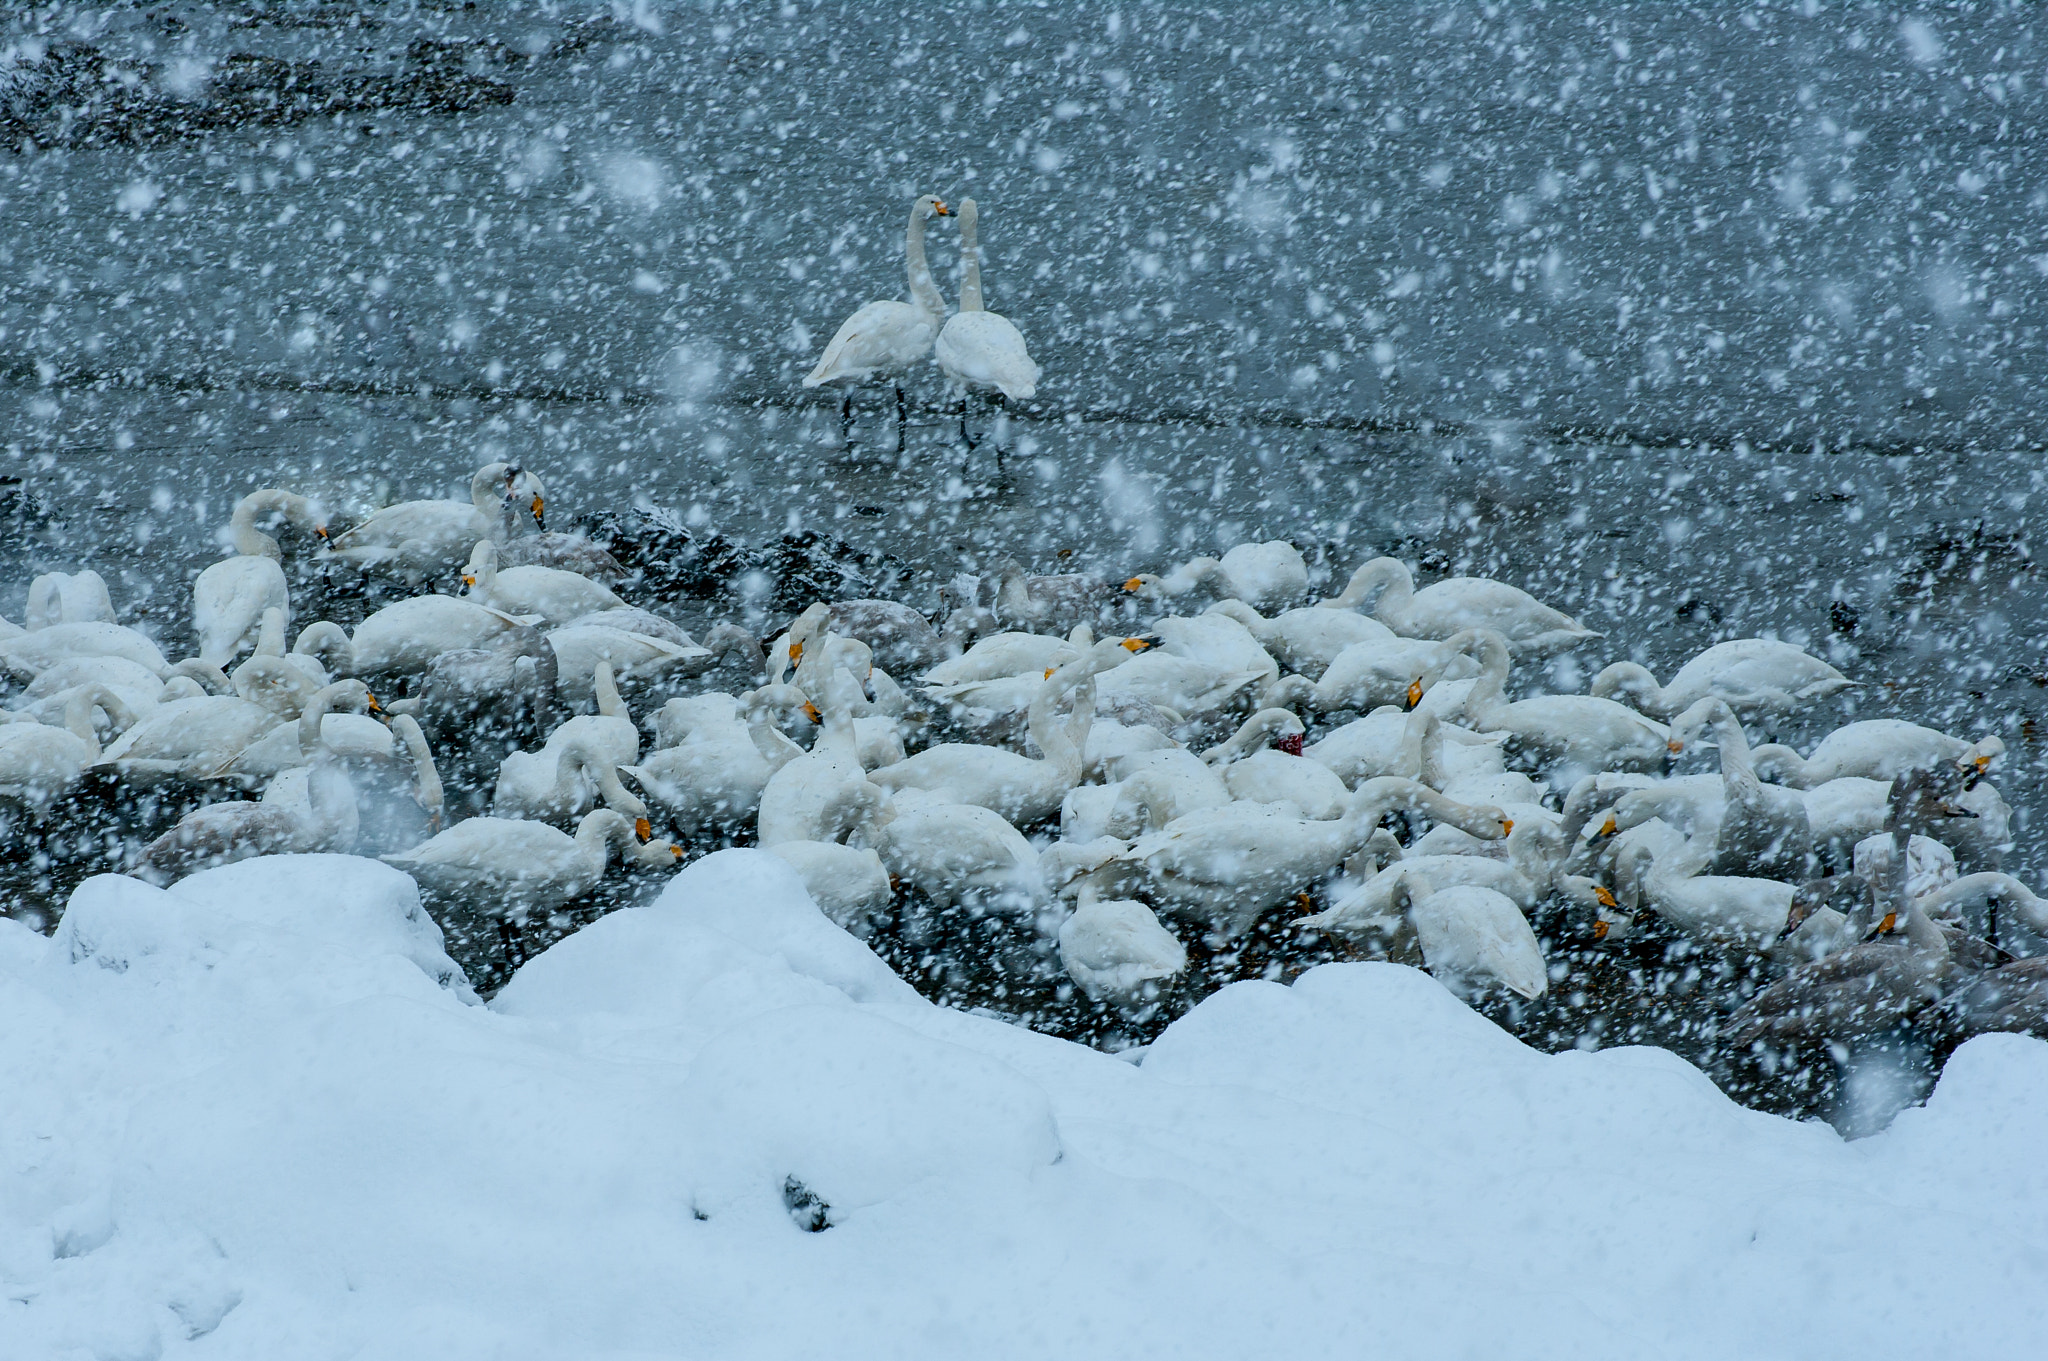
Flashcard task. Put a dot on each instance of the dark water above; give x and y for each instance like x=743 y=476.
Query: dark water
x=1696 y=322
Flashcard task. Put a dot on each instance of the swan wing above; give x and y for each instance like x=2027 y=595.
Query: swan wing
x=983 y=349
x=880 y=337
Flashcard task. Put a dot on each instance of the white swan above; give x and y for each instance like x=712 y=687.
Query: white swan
x=306 y=809
x=193 y=738
x=957 y=852
x=1023 y=790
x=709 y=770
x=1117 y=951
x=1002 y=655
x=350 y=735
x=1371 y=674
x=558 y=597
x=404 y=638
x=978 y=348
x=1726 y=910
x=427 y=536
x=825 y=793
x=1282 y=775
x=68 y=598
x=230 y=597
x=638 y=657
x=848 y=883
x=1443 y=608
x=1265 y=576
x=1571 y=734
x=1755 y=676
x=1228 y=865
x=561 y=782
x=1466 y=931
x=1387 y=741
x=1305 y=640
x=1875 y=749
x=885 y=338
x=1213 y=639
x=513 y=868
x=30 y=653
x=1525 y=878
x=40 y=762
x=1762 y=829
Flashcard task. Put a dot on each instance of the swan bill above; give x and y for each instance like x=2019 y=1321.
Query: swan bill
x=539 y=517
x=1135 y=584
x=643 y=829
x=1599 y=930
x=1605 y=897
x=1414 y=693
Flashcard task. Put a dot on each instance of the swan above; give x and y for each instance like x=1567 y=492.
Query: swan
x=813 y=653
x=313 y=811
x=1215 y=640
x=564 y=552
x=900 y=640
x=1525 y=878
x=230 y=598
x=1755 y=676
x=1308 y=639
x=137 y=687
x=1762 y=829
x=1876 y=749
x=426 y=536
x=404 y=638
x=1930 y=866
x=1154 y=785
x=1003 y=655
x=885 y=338
x=40 y=762
x=1024 y=791
x=633 y=619
x=848 y=883
x=1465 y=931
x=1284 y=775
x=1531 y=628
x=512 y=868
x=558 y=597
x=957 y=852
x=611 y=728
x=1986 y=889
x=1050 y=602
x=1727 y=910
x=1117 y=951
x=1228 y=865
x=1374 y=673
x=351 y=735
x=1570 y=733
x=193 y=738
x=707 y=771
x=1387 y=741
x=1264 y=576
x=1182 y=685
x=36 y=651
x=68 y=598
x=561 y=781
x=633 y=656
x=978 y=348
x=822 y=794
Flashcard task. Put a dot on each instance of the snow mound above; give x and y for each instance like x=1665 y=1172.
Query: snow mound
x=242 y=1119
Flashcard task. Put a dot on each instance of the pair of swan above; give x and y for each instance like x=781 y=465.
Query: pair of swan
x=1528 y=626
x=1262 y=576
x=975 y=348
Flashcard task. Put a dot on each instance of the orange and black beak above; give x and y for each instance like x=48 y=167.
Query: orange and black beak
x=539 y=506
x=1414 y=693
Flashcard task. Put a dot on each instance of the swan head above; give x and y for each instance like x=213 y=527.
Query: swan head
x=935 y=206
x=523 y=486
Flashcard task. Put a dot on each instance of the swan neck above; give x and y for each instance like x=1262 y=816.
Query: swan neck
x=1737 y=769
x=608 y=702
x=924 y=291
x=970 y=256
x=1423 y=749
x=1490 y=694
x=486 y=489
x=251 y=541
x=78 y=714
x=426 y=775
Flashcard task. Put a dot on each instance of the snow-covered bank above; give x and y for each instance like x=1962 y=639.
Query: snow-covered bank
x=259 y=1115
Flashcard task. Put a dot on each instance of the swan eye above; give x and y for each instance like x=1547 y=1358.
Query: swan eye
x=1604 y=896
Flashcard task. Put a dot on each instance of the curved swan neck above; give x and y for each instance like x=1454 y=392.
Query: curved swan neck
x=608 y=702
x=426 y=775
x=488 y=487
x=597 y=831
x=1422 y=749
x=311 y=738
x=1390 y=573
x=1255 y=731
x=1737 y=769
x=1637 y=682
x=329 y=643
x=970 y=256
x=253 y=542
x=923 y=290
x=1490 y=694
x=270 y=635
x=78 y=713
x=583 y=755
x=1256 y=624
x=1776 y=761
x=1050 y=736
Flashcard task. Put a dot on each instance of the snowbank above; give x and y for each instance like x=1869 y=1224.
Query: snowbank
x=258 y=1115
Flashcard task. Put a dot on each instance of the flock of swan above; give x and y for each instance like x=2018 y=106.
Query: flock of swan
x=1098 y=775
x=1370 y=778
